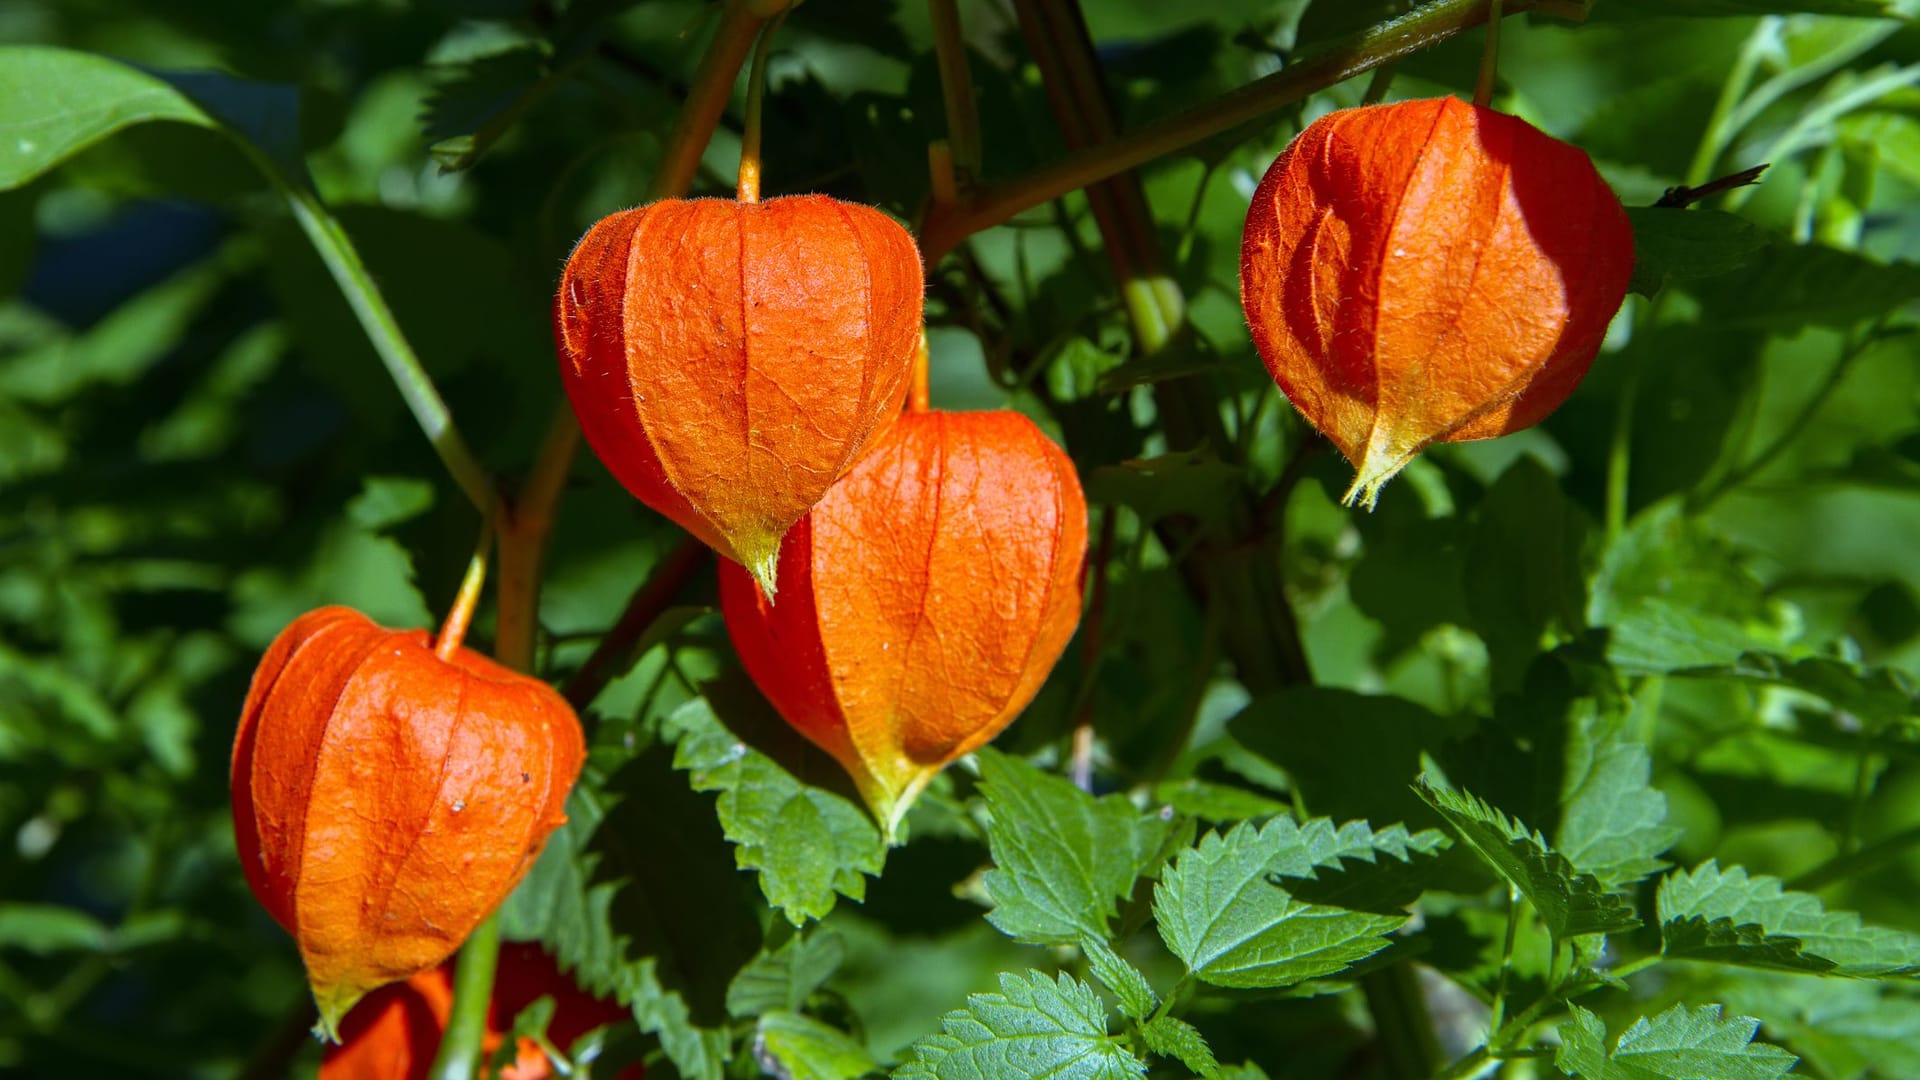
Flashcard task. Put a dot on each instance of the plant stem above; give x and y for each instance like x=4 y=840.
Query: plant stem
x=946 y=226
x=454 y=630
x=1850 y=352
x=423 y=399
x=525 y=521
x=643 y=609
x=919 y=392
x=1506 y=964
x=706 y=100
x=1841 y=867
x=1080 y=757
x=749 y=186
x=1489 y=60
x=956 y=87
x=472 y=982
x=1720 y=128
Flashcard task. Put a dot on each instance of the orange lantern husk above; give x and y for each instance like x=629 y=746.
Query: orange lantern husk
x=394 y=1032
x=728 y=360
x=1429 y=271
x=386 y=800
x=926 y=598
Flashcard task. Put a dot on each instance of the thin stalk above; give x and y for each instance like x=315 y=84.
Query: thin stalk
x=1874 y=855
x=1340 y=60
x=707 y=99
x=919 y=392
x=1816 y=119
x=525 y=521
x=1506 y=964
x=643 y=609
x=453 y=631
x=1080 y=757
x=423 y=399
x=1620 y=454
x=472 y=982
x=1378 y=84
x=1721 y=127
x=956 y=87
x=748 y=190
x=1489 y=60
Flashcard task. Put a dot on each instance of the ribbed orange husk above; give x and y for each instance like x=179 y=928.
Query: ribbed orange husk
x=394 y=1033
x=728 y=361
x=1429 y=271
x=385 y=800
x=925 y=599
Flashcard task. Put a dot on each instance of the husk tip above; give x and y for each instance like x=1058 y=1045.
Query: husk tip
x=334 y=1003
x=765 y=570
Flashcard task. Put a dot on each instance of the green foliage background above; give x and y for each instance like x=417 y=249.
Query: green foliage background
x=1621 y=708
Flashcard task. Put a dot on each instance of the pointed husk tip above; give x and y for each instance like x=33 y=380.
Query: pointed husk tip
x=334 y=1003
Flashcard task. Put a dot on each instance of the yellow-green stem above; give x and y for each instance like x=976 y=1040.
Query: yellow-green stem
x=748 y=190
x=706 y=100
x=453 y=630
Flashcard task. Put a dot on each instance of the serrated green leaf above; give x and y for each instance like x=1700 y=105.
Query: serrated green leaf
x=1524 y=568
x=1062 y=859
x=783 y=978
x=1731 y=917
x=1170 y=1036
x=386 y=501
x=1211 y=801
x=1137 y=998
x=1035 y=1026
x=1787 y=287
x=1680 y=1044
x=1226 y=910
x=807 y=843
x=1681 y=245
x=1879 y=695
x=1719 y=8
x=1569 y=902
x=1613 y=821
x=798 y=1047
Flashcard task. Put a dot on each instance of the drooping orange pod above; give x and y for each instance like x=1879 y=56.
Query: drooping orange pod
x=394 y=1033
x=729 y=360
x=1429 y=271
x=386 y=800
x=926 y=598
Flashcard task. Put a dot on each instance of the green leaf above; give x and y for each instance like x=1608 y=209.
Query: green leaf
x=1194 y=484
x=1227 y=908
x=1569 y=902
x=1682 y=245
x=1136 y=996
x=798 y=1047
x=1613 y=821
x=1673 y=594
x=1211 y=801
x=1062 y=859
x=1035 y=1026
x=783 y=978
x=1170 y=1036
x=1731 y=917
x=1680 y=1044
x=1787 y=287
x=807 y=843
x=55 y=103
x=1878 y=695
x=1524 y=574
x=46 y=929
x=1756 y=7
x=387 y=501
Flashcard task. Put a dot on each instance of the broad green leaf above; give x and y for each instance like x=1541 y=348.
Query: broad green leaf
x=1524 y=575
x=1673 y=594
x=1787 y=287
x=1062 y=859
x=1731 y=917
x=1137 y=998
x=1681 y=245
x=1211 y=801
x=1170 y=1036
x=1569 y=902
x=1680 y=1044
x=1843 y=1028
x=1035 y=1026
x=1227 y=908
x=1879 y=695
x=55 y=103
x=807 y=843
x=1612 y=821
x=387 y=501
x=783 y=978
x=1196 y=485
x=802 y=1048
